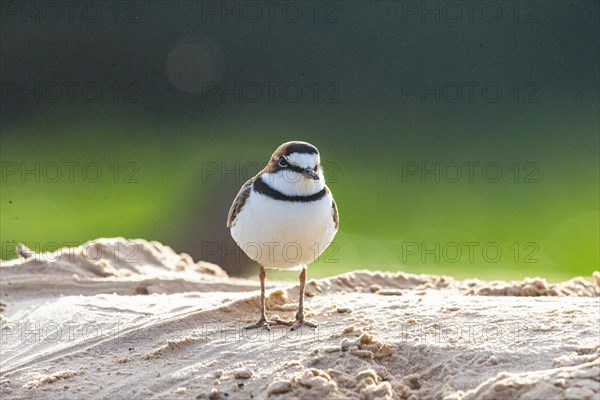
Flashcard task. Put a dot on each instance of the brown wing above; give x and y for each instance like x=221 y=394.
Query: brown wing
x=336 y=216
x=239 y=201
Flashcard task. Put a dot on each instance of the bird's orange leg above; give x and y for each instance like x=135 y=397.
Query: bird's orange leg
x=262 y=322
x=300 y=313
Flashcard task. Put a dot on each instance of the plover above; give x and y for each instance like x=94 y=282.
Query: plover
x=284 y=218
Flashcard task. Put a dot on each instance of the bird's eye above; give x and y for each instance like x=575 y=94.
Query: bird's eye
x=283 y=162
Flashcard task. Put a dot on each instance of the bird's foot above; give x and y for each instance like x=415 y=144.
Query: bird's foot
x=262 y=323
x=295 y=324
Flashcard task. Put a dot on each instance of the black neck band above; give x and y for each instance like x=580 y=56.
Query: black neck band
x=261 y=187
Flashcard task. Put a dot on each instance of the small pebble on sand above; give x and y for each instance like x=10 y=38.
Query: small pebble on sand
x=278 y=387
x=242 y=373
x=349 y=329
x=365 y=339
x=345 y=344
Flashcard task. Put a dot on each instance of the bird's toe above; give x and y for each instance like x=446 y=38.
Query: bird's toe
x=260 y=324
x=302 y=322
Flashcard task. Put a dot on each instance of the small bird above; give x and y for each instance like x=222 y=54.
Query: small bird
x=284 y=218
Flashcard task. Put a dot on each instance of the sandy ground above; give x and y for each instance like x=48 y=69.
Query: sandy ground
x=115 y=319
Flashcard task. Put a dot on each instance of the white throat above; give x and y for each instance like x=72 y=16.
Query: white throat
x=292 y=183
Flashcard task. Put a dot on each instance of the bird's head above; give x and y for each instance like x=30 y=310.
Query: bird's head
x=295 y=169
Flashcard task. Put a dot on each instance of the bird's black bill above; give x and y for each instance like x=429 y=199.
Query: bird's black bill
x=309 y=173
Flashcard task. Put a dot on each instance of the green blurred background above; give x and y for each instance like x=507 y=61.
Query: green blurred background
x=165 y=103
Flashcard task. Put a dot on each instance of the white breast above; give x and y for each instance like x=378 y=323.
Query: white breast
x=281 y=234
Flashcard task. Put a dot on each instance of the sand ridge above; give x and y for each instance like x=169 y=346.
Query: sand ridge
x=163 y=326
